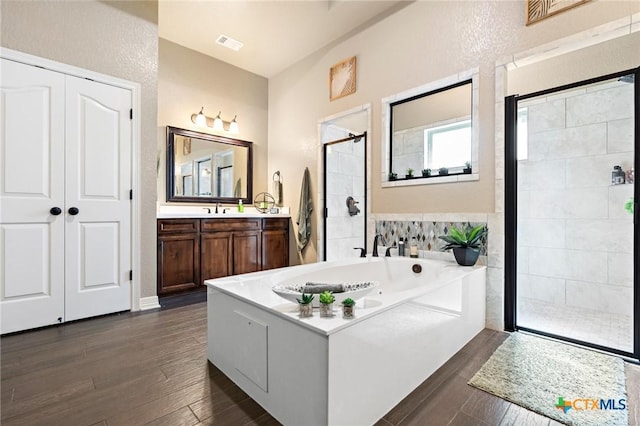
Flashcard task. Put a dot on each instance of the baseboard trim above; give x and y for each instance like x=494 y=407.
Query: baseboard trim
x=150 y=302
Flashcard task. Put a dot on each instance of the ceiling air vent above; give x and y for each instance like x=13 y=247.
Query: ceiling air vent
x=227 y=41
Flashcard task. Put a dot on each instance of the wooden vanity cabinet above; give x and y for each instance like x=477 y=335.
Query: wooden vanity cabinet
x=275 y=243
x=241 y=253
x=178 y=255
x=191 y=251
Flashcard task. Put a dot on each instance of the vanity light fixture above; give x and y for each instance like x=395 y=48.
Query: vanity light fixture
x=233 y=126
x=216 y=123
x=201 y=119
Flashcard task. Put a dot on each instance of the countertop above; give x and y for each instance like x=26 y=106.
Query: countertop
x=228 y=215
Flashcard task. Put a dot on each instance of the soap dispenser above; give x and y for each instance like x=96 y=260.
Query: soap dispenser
x=240 y=207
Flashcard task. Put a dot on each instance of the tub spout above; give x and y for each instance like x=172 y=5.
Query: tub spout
x=375 y=244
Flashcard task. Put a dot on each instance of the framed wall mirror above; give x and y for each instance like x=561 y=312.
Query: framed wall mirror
x=204 y=168
x=431 y=133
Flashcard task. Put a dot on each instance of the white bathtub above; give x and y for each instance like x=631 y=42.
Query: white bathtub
x=332 y=371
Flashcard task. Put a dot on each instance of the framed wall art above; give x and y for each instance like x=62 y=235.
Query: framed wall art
x=342 y=79
x=538 y=10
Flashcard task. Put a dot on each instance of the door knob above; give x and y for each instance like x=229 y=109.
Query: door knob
x=73 y=211
x=55 y=211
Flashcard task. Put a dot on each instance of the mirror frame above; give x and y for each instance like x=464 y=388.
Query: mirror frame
x=170 y=171
x=417 y=92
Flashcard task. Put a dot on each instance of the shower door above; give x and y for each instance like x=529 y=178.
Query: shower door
x=345 y=196
x=571 y=238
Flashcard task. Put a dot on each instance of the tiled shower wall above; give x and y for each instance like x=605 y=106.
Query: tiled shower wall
x=575 y=240
x=344 y=178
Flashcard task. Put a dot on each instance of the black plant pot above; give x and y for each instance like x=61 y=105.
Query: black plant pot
x=466 y=171
x=466 y=256
x=426 y=174
x=408 y=176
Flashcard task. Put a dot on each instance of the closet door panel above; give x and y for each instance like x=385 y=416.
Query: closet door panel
x=98 y=180
x=31 y=184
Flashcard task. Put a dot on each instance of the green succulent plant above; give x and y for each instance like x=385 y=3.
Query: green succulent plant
x=467 y=237
x=327 y=297
x=409 y=171
x=306 y=299
x=348 y=302
x=628 y=206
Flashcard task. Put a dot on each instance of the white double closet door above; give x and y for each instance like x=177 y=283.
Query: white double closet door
x=65 y=212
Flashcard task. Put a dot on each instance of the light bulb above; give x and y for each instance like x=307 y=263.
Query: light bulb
x=201 y=120
x=233 y=126
x=217 y=122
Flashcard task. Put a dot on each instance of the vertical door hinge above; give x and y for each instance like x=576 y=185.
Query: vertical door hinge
x=131 y=194
x=131 y=114
x=131 y=275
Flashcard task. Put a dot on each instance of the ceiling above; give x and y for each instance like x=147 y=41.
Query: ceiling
x=276 y=34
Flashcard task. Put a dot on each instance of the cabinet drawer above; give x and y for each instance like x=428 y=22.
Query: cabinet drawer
x=276 y=223
x=214 y=225
x=173 y=226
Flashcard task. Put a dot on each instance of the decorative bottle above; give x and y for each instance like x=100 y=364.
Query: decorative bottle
x=401 y=247
x=617 y=176
x=413 y=249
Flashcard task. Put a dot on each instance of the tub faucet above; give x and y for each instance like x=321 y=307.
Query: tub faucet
x=375 y=244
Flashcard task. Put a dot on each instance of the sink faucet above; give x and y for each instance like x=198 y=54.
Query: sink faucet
x=217 y=205
x=225 y=210
x=375 y=244
x=207 y=209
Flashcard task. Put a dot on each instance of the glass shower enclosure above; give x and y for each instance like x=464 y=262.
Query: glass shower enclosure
x=572 y=240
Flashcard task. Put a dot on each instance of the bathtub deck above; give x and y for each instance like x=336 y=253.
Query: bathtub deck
x=394 y=344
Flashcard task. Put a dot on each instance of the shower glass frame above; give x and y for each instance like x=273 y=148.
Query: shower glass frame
x=511 y=207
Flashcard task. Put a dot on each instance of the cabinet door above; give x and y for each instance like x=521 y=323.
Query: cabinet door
x=31 y=183
x=275 y=249
x=216 y=255
x=97 y=184
x=178 y=263
x=246 y=252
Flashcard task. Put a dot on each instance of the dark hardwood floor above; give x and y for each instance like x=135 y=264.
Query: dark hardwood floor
x=151 y=368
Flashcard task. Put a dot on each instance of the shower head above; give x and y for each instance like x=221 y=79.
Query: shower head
x=629 y=78
x=356 y=139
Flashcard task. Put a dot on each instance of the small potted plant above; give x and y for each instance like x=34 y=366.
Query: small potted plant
x=628 y=206
x=326 y=303
x=409 y=174
x=465 y=243
x=304 y=305
x=467 y=168
x=426 y=172
x=393 y=176
x=443 y=171
x=348 y=306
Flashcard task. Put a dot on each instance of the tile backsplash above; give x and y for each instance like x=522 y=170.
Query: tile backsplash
x=425 y=232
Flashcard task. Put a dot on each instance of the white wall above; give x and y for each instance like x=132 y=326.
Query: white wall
x=189 y=80
x=423 y=42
